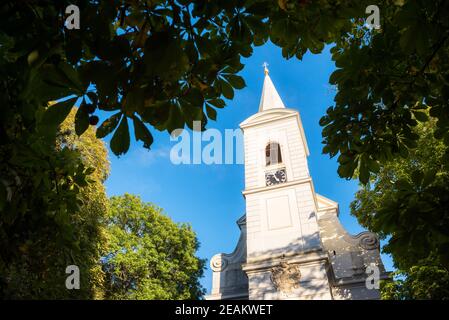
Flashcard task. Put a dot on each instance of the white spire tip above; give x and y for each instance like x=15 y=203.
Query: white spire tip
x=265 y=68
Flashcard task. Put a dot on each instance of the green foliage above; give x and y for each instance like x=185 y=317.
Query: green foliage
x=162 y=63
x=423 y=281
x=408 y=205
x=149 y=256
x=53 y=217
x=387 y=81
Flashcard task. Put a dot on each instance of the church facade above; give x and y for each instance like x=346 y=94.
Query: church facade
x=292 y=245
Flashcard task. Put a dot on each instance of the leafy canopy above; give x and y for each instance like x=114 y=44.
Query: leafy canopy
x=54 y=218
x=149 y=256
x=408 y=205
x=388 y=81
x=160 y=63
x=165 y=63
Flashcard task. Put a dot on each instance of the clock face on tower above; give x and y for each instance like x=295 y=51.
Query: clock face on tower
x=275 y=177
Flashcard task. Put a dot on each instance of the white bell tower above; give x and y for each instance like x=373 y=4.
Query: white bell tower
x=292 y=245
x=281 y=213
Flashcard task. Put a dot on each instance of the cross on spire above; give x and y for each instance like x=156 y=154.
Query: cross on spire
x=270 y=98
x=265 y=68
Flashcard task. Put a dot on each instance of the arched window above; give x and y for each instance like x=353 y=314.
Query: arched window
x=273 y=153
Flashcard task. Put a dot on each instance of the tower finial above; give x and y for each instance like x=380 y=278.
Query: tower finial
x=270 y=98
x=265 y=68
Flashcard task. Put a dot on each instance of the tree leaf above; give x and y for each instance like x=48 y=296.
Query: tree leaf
x=421 y=116
x=346 y=170
x=134 y=100
x=72 y=76
x=120 y=140
x=236 y=81
x=194 y=97
x=226 y=89
x=108 y=125
x=364 y=173
x=217 y=103
x=324 y=121
x=56 y=114
x=142 y=133
x=373 y=165
x=429 y=177
x=336 y=76
x=81 y=120
x=211 y=112
x=93 y=98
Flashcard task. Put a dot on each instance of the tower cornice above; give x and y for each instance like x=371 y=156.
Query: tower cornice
x=264 y=117
x=277 y=186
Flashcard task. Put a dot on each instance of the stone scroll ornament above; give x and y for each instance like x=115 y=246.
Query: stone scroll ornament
x=286 y=277
x=369 y=241
x=218 y=263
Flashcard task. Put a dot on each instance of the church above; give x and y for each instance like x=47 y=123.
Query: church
x=292 y=244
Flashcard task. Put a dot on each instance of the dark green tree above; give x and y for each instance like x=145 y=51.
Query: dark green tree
x=426 y=280
x=387 y=81
x=407 y=204
x=164 y=63
x=149 y=256
x=60 y=222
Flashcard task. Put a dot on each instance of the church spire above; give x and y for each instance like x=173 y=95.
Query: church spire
x=270 y=97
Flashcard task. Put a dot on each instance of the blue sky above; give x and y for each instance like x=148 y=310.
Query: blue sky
x=209 y=196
